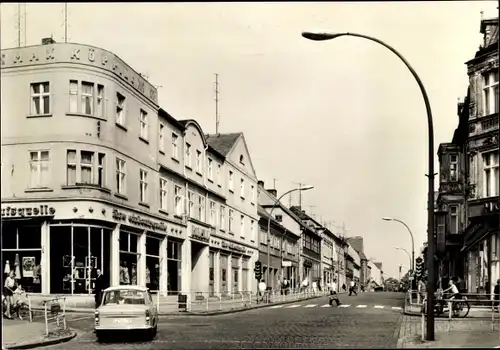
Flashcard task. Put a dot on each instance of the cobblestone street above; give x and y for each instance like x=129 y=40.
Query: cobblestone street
x=297 y=327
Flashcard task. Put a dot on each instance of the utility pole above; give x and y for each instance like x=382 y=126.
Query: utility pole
x=216 y=103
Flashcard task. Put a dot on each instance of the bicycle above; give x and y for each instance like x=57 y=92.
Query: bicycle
x=19 y=308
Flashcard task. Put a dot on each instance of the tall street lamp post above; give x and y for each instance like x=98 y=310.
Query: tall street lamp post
x=412 y=265
x=304 y=188
x=430 y=175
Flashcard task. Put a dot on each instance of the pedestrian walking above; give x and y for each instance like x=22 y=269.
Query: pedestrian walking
x=352 y=288
x=344 y=287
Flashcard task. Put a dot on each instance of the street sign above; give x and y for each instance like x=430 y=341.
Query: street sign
x=286 y=263
x=411 y=278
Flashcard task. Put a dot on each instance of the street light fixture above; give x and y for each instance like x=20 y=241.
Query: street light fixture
x=409 y=257
x=303 y=188
x=412 y=265
x=430 y=175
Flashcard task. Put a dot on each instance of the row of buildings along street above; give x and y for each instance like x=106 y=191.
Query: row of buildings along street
x=96 y=175
x=467 y=202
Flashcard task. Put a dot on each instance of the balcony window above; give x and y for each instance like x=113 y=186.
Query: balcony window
x=453 y=167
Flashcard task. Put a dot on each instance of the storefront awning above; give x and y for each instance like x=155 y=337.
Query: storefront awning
x=481 y=232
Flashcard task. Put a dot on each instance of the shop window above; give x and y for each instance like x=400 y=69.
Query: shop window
x=76 y=253
x=211 y=273
x=128 y=258
x=174 y=267
x=223 y=274
x=153 y=263
x=244 y=275
x=235 y=265
x=21 y=256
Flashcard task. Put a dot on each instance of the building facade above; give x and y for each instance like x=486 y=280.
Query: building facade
x=234 y=252
x=329 y=257
x=481 y=238
x=131 y=200
x=284 y=240
x=310 y=251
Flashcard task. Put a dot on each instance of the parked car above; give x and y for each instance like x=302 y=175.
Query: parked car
x=126 y=308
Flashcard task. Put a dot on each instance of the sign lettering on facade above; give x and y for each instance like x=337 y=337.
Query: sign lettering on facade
x=139 y=221
x=91 y=55
x=42 y=210
x=199 y=233
x=73 y=53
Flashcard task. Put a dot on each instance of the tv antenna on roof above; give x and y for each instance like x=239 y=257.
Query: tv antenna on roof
x=217 y=120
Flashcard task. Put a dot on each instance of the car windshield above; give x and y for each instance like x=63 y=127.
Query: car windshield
x=124 y=296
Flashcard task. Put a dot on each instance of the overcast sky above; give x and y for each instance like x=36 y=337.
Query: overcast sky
x=345 y=116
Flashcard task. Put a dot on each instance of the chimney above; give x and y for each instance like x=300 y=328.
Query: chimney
x=48 y=41
x=260 y=183
x=273 y=192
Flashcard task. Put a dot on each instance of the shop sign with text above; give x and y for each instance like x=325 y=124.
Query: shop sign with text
x=200 y=233
x=139 y=221
x=41 y=210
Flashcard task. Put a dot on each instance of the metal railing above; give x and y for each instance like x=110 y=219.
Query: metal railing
x=175 y=301
x=474 y=301
x=52 y=312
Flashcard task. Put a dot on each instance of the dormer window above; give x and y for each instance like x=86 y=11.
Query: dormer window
x=453 y=167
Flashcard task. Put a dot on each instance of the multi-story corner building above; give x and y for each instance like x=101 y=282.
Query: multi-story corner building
x=356 y=243
x=96 y=175
x=284 y=247
x=310 y=253
x=482 y=241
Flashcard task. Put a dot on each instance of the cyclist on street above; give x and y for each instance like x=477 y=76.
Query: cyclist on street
x=454 y=290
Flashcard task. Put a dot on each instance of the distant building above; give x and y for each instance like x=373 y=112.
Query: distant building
x=310 y=257
x=286 y=229
x=356 y=243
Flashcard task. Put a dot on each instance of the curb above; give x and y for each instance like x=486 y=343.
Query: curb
x=201 y=313
x=47 y=342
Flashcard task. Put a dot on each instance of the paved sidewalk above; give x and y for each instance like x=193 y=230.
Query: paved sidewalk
x=459 y=333
x=19 y=334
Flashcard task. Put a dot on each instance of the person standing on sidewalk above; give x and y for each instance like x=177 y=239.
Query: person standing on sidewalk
x=99 y=287
x=8 y=291
x=262 y=291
